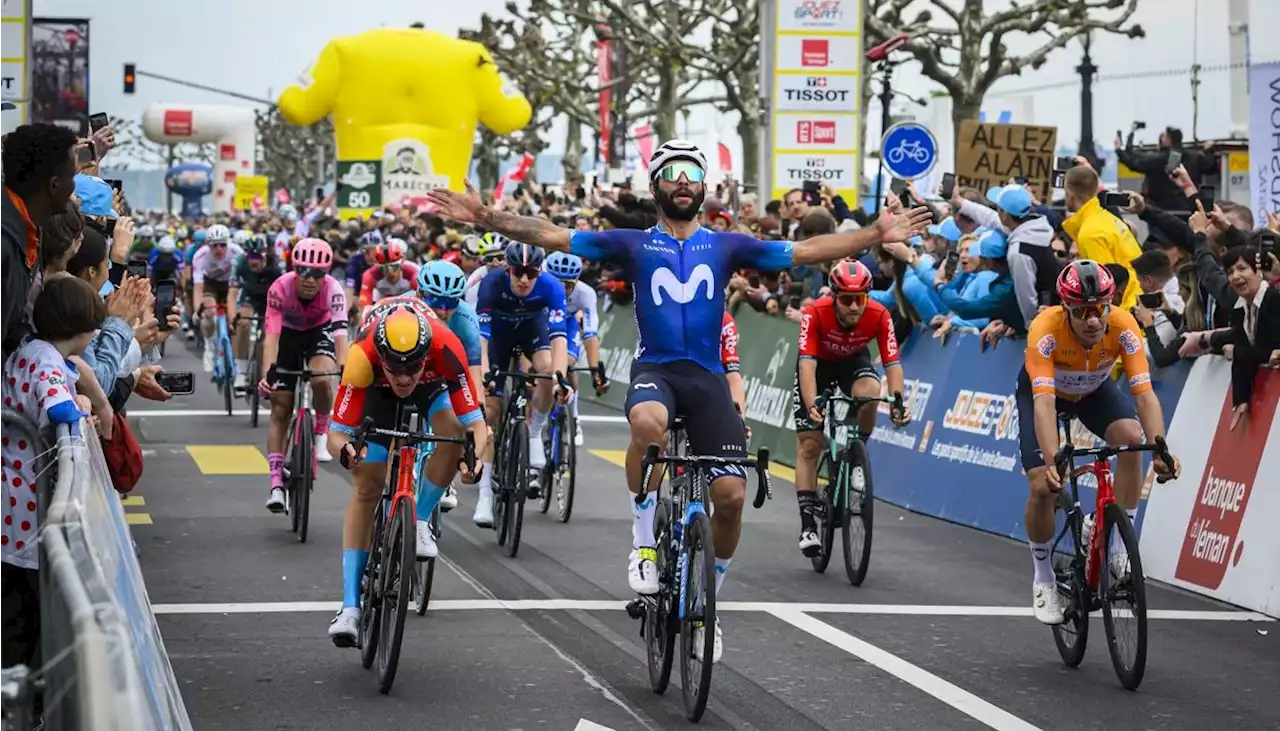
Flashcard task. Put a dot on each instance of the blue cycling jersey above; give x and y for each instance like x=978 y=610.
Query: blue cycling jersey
x=355 y=271
x=171 y=264
x=498 y=304
x=190 y=254
x=466 y=325
x=679 y=285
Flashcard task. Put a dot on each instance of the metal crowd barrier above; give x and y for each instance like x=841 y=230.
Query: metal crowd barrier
x=102 y=665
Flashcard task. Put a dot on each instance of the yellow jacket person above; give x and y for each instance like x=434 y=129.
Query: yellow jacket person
x=1098 y=234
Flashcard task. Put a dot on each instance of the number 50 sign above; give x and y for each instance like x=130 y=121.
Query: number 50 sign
x=359 y=184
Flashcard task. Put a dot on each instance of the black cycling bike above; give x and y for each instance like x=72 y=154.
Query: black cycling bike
x=686 y=598
x=559 y=476
x=255 y=364
x=847 y=501
x=300 y=463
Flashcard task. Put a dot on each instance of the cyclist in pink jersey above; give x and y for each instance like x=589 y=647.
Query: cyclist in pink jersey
x=306 y=323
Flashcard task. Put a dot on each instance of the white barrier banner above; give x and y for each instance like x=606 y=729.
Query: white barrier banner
x=1213 y=531
x=1264 y=140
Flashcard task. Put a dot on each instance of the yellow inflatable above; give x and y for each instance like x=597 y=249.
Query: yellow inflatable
x=404 y=104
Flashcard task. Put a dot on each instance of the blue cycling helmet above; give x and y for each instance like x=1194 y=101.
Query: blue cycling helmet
x=442 y=279
x=200 y=235
x=523 y=255
x=563 y=265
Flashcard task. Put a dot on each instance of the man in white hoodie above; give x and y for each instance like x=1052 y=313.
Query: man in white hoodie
x=1031 y=261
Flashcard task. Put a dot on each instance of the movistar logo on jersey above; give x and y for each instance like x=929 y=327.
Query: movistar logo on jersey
x=683 y=292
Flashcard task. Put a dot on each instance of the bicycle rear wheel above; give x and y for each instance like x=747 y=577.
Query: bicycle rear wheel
x=501 y=484
x=1072 y=636
x=228 y=379
x=518 y=457
x=661 y=623
x=548 y=477
x=304 y=471
x=255 y=375
x=857 y=510
x=567 y=476
x=371 y=591
x=826 y=514
x=396 y=581
x=699 y=610
x=427 y=572
x=1124 y=602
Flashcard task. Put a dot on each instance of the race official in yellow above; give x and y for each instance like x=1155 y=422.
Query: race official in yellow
x=1098 y=234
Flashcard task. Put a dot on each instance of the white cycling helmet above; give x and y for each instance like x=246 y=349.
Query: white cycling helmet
x=242 y=237
x=145 y=231
x=675 y=150
x=215 y=233
x=166 y=245
x=471 y=246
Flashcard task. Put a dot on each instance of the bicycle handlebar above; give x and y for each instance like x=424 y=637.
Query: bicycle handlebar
x=761 y=465
x=856 y=402
x=494 y=375
x=368 y=428
x=305 y=374
x=1067 y=455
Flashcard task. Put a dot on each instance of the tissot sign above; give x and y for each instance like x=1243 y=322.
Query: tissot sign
x=817 y=93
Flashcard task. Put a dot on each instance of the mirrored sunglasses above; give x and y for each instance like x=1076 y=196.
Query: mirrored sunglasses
x=671 y=173
x=1085 y=312
x=311 y=272
x=849 y=299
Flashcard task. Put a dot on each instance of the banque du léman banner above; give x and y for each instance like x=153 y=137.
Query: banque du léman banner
x=404 y=104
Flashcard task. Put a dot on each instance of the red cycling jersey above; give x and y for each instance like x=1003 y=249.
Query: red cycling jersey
x=729 y=344
x=824 y=338
x=374 y=287
x=446 y=361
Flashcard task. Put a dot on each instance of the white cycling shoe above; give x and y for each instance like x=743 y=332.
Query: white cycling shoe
x=242 y=383
x=642 y=571
x=578 y=439
x=322 y=449
x=449 y=500
x=275 y=501
x=810 y=543
x=344 y=626
x=206 y=361
x=426 y=547
x=1046 y=604
x=483 y=516
x=698 y=646
x=537 y=455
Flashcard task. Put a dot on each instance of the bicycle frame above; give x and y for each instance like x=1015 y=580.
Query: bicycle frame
x=1101 y=470
x=224 y=347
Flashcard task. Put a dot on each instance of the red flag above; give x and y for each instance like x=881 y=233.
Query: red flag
x=726 y=159
x=644 y=141
x=282 y=196
x=604 y=68
x=516 y=175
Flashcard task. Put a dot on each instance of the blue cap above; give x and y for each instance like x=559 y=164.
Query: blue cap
x=1012 y=199
x=95 y=196
x=993 y=245
x=947 y=230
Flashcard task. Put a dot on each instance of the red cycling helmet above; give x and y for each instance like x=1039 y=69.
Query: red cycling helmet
x=850 y=276
x=388 y=254
x=1085 y=282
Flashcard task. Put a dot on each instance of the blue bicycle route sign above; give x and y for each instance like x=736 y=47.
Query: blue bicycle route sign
x=908 y=150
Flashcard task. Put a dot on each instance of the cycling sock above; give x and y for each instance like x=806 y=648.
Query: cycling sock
x=485 y=483
x=644 y=513
x=275 y=463
x=429 y=498
x=1040 y=553
x=722 y=568
x=242 y=366
x=807 y=500
x=574 y=402
x=539 y=420
x=322 y=425
x=353 y=563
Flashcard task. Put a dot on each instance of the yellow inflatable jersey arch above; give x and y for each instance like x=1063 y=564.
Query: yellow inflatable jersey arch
x=391 y=91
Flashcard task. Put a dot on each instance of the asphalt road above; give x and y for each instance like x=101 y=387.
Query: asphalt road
x=938 y=637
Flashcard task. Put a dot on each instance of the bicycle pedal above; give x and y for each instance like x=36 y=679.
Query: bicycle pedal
x=635 y=608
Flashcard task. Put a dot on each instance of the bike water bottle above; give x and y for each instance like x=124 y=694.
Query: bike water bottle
x=1086 y=532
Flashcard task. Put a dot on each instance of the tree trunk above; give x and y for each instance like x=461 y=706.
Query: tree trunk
x=968 y=106
x=664 y=122
x=488 y=164
x=572 y=160
x=749 y=131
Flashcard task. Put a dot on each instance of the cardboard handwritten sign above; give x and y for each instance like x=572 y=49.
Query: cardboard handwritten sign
x=988 y=155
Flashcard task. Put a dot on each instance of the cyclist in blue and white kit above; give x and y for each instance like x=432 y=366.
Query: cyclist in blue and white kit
x=441 y=285
x=679 y=272
x=520 y=307
x=583 y=337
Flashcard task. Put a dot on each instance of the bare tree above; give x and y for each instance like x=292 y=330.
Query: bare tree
x=133 y=151
x=291 y=156
x=966 y=52
x=733 y=60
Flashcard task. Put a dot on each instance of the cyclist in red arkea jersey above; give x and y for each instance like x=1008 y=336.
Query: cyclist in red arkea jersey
x=834 y=332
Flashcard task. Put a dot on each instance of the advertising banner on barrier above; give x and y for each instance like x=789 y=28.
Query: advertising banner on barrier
x=1213 y=530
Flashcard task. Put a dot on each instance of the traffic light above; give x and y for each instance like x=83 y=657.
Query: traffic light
x=129 y=77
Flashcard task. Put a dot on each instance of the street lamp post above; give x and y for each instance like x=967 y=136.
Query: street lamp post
x=1087 y=70
x=881 y=55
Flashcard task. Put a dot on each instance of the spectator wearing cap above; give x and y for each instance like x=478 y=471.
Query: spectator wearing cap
x=97 y=201
x=971 y=281
x=943 y=236
x=721 y=220
x=1158 y=186
x=1000 y=302
x=1099 y=235
x=39 y=177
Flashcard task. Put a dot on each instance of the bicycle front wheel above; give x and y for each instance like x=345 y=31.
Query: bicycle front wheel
x=1072 y=636
x=370 y=591
x=427 y=571
x=661 y=623
x=1124 y=599
x=518 y=457
x=228 y=380
x=857 y=507
x=549 y=473
x=567 y=474
x=304 y=469
x=699 y=610
x=255 y=375
x=396 y=581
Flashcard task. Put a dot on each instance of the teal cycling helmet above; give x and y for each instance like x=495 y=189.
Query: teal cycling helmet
x=563 y=265
x=442 y=279
x=200 y=235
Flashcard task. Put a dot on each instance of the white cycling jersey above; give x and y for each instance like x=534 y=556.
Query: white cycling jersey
x=473 y=284
x=206 y=266
x=583 y=299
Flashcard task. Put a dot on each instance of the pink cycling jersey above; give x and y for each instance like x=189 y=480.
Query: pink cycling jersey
x=285 y=309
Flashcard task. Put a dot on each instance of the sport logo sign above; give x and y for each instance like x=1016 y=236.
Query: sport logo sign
x=816 y=132
x=815 y=52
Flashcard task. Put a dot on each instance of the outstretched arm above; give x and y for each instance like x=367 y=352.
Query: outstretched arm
x=468 y=208
x=889 y=227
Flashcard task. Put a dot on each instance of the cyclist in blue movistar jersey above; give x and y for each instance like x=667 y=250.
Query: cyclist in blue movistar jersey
x=520 y=307
x=679 y=272
x=441 y=285
x=584 y=336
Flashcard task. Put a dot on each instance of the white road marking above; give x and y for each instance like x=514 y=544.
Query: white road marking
x=585 y=725
x=585 y=418
x=953 y=695
x=524 y=605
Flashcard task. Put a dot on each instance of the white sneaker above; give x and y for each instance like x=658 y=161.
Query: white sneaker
x=189 y=332
x=207 y=360
x=343 y=627
x=810 y=543
x=537 y=455
x=484 y=509
x=697 y=644
x=578 y=439
x=242 y=383
x=322 y=451
x=642 y=571
x=449 y=500
x=426 y=542
x=275 y=502
x=1046 y=604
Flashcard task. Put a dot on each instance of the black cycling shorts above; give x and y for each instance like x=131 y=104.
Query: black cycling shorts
x=712 y=423
x=298 y=347
x=840 y=372
x=1097 y=411
x=216 y=290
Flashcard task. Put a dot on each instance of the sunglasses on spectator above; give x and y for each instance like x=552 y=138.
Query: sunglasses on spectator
x=1085 y=312
x=311 y=272
x=529 y=273
x=671 y=173
x=849 y=299
x=441 y=303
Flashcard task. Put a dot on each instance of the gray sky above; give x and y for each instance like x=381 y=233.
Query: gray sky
x=260 y=46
